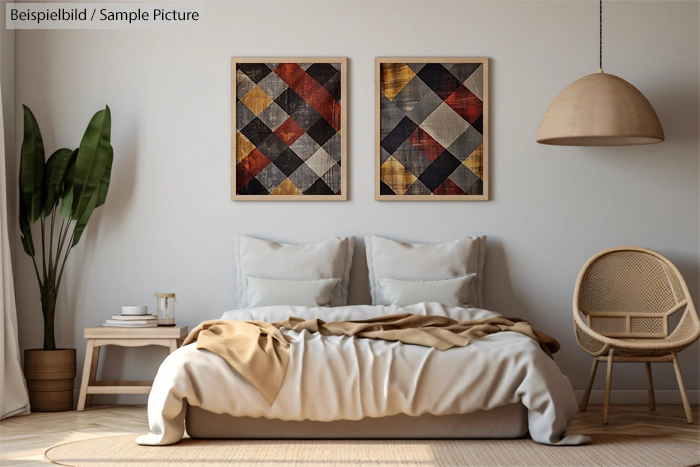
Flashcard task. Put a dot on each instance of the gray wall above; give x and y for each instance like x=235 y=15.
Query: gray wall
x=169 y=220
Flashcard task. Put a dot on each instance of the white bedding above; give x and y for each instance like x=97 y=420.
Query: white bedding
x=339 y=377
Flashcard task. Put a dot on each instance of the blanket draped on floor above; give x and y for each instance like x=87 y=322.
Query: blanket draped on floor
x=260 y=352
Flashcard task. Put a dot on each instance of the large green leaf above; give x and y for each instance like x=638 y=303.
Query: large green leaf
x=91 y=162
x=82 y=222
x=54 y=176
x=67 y=193
x=25 y=229
x=31 y=167
x=106 y=176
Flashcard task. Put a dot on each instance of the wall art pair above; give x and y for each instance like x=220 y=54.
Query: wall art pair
x=290 y=127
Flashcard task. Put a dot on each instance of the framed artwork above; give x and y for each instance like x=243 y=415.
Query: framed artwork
x=432 y=129
x=289 y=129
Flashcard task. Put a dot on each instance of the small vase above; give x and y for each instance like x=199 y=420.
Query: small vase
x=50 y=376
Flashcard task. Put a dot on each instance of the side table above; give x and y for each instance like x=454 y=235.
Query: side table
x=165 y=336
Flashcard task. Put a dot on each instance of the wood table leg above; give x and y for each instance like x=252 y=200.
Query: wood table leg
x=87 y=369
x=93 y=373
x=173 y=345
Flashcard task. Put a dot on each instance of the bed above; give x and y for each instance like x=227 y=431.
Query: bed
x=507 y=421
x=500 y=385
x=339 y=386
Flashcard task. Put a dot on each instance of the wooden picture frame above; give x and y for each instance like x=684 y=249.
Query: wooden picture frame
x=268 y=168
x=438 y=89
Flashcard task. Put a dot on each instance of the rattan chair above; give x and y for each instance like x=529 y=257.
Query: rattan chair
x=622 y=303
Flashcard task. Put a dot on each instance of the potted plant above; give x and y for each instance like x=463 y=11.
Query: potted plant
x=60 y=194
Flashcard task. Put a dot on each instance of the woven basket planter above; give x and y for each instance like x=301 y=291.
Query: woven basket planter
x=50 y=376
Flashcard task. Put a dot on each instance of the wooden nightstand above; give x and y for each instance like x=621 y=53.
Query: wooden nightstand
x=166 y=336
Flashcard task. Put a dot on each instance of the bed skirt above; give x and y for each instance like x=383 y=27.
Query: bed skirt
x=508 y=421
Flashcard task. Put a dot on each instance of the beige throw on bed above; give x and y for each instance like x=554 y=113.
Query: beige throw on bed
x=260 y=352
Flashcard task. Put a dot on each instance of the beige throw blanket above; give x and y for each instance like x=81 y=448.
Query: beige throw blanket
x=260 y=352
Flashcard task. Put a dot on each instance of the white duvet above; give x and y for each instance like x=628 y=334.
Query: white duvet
x=339 y=377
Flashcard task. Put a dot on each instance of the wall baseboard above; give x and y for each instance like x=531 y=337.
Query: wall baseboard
x=639 y=396
x=618 y=396
x=113 y=399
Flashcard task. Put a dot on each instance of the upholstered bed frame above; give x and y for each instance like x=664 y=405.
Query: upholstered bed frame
x=508 y=421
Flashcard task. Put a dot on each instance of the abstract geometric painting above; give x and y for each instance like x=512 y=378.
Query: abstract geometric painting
x=289 y=126
x=432 y=129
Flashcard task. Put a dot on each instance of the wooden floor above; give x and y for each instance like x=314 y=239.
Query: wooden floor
x=23 y=440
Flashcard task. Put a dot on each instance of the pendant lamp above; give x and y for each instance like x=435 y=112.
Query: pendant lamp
x=600 y=110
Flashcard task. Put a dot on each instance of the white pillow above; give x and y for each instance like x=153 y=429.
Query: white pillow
x=328 y=259
x=449 y=292
x=418 y=261
x=270 y=292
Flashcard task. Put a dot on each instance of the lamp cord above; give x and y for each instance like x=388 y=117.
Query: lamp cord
x=601 y=34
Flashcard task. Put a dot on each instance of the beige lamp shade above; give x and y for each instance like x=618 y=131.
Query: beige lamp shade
x=600 y=110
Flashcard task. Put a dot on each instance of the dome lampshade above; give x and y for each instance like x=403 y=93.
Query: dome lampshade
x=600 y=110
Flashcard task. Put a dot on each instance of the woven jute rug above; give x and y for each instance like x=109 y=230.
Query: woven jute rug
x=604 y=451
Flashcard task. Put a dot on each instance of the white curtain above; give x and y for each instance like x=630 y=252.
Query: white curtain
x=13 y=389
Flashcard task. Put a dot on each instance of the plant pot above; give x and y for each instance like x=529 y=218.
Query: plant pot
x=50 y=376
